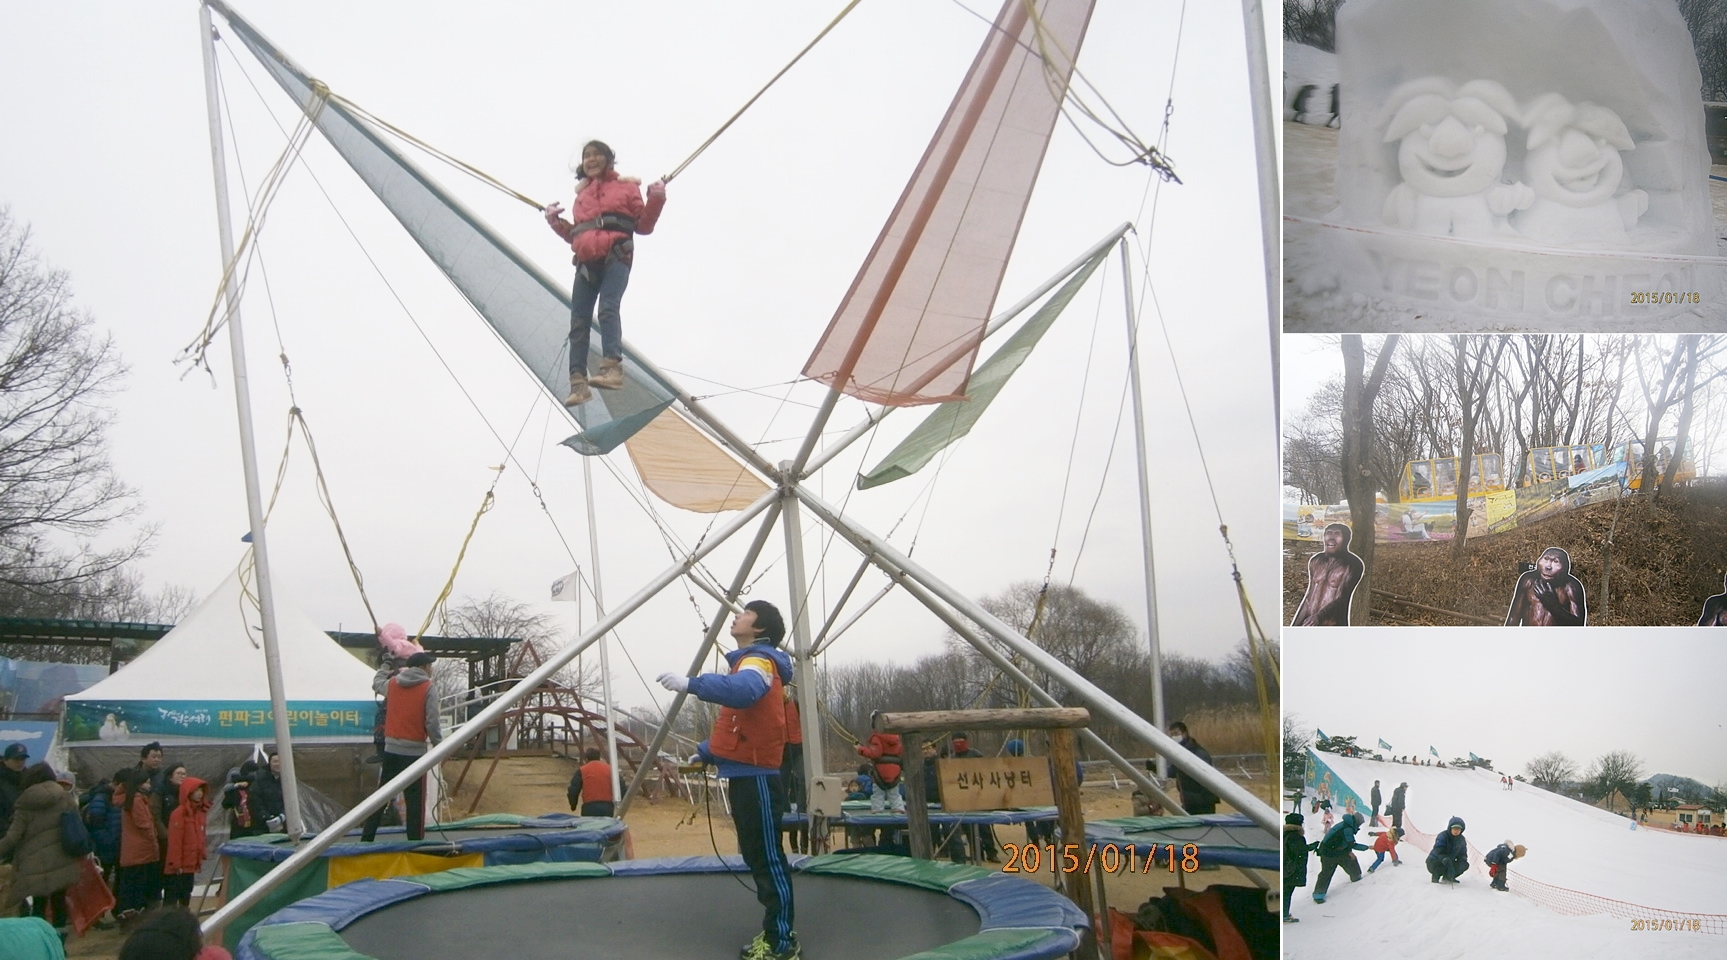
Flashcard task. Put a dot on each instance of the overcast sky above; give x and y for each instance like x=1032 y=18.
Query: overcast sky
x=107 y=160
x=1654 y=692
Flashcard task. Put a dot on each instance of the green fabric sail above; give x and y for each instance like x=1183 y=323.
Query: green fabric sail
x=954 y=419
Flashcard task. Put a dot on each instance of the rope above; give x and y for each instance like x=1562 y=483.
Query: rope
x=295 y=415
x=449 y=584
x=724 y=126
x=409 y=138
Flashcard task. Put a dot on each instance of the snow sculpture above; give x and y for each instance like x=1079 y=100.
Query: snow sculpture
x=1575 y=169
x=1451 y=153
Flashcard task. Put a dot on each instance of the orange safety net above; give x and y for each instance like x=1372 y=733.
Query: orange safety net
x=908 y=330
x=686 y=469
x=1576 y=903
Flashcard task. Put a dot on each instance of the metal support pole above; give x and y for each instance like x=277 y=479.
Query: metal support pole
x=1144 y=504
x=600 y=611
x=1101 y=703
x=1270 y=203
x=809 y=712
x=310 y=850
x=713 y=634
x=248 y=453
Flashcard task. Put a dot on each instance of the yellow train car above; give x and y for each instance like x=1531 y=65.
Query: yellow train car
x=1436 y=478
x=1553 y=463
x=1632 y=452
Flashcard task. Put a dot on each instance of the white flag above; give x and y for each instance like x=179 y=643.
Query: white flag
x=565 y=587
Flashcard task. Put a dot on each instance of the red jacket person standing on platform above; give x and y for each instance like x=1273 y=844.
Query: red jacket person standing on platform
x=748 y=744
x=410 y=723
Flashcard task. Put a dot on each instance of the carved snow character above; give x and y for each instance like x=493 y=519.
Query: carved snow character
x=1451 y=156
x=1575 y=169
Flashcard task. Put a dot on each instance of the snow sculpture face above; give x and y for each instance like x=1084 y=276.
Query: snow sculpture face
x=1574 y=151
x=1453 y=145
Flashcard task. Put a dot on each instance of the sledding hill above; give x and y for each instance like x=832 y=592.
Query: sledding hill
x=1667 y=560
x=1578 y=858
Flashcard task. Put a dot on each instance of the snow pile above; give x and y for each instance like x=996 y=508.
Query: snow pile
x=1571 y=846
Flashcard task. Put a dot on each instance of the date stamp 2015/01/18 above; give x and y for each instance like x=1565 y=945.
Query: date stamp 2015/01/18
x=1109 y=858
x=1639 y=297
x=1695 y=926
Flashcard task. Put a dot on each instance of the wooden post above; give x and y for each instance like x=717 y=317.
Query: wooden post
x=916 y=804
x=1074 y=883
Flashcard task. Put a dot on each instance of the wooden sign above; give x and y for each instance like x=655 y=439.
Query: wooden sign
x=994 y=783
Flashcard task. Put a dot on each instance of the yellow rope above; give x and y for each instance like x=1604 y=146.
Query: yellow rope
x=449 y=584
x=461 y=165
x=723 y=127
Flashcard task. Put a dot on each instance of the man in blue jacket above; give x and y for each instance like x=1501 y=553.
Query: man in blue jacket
x=1337 y=849
x=1450 y=856
x=748 y=743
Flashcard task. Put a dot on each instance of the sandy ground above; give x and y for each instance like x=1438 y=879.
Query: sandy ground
x=1310 y=190
x=663 y=828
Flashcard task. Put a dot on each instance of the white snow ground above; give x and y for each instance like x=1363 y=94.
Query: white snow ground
x=1397 y=912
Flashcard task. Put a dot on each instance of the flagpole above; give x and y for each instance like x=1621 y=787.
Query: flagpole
x=605 y=645
x=248 y=451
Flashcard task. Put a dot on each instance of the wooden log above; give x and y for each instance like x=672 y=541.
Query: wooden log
x=1074 y=882
x=916 y=804
x=1031 y=718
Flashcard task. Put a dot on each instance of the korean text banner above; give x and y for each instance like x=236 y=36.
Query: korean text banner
x=146 y=720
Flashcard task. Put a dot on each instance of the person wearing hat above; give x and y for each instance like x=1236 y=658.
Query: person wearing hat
x=410 y=723
x=11 y=781
x=1450 y=856
x=1295 y=851
x=1499 y=863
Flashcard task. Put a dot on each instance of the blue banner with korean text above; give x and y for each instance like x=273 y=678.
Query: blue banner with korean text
x=141 y=721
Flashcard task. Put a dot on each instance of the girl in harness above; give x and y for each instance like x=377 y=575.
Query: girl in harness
x=608 y=211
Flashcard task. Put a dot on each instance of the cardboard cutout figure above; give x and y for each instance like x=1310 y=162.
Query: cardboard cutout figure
x=1548 y=595
x=1332 y=577
x=1714 y=610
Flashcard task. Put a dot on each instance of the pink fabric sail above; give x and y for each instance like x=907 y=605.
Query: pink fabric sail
x=908 y=330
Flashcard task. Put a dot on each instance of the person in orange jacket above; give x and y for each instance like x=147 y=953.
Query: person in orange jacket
x=608 y=211
x=591 y=787
x=883 y=750
x=186 y=826
x=139 y=878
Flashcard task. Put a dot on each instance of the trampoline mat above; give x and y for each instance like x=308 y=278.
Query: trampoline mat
x=690 y=916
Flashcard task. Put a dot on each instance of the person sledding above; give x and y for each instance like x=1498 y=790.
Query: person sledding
x=1337 y=849
x=607 y=213
x=1499 y=863
x=1450 y=855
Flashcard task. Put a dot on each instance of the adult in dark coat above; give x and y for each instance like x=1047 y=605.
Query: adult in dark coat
x=1195 y=797
x=1337 y=849
x=1295 y=850
x=266 y=798
x=1374 y=799
x=11 y=781
x=1395 y=808
x=1450 y=856
x=41 y=868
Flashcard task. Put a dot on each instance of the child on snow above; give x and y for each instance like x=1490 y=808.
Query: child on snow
x=1295 y=850
x=186 y=826
x=1499 y=863
x=1386 y=843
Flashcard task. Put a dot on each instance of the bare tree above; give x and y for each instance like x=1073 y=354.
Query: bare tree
x=1616 y=770
x=1550 y=770
x=496 y=615
x=1474 y=377
x=58 y=490
x=1358 y=395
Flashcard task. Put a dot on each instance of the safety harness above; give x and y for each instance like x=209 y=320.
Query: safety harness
x=622 y=247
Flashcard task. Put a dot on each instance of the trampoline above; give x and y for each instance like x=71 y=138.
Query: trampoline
x=1223 y=839
x=683 y=908
x=487 y=841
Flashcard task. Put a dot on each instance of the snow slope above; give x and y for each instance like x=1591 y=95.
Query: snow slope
x=1571 y=845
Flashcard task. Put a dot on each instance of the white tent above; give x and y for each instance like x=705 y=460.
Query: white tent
x=204 y=681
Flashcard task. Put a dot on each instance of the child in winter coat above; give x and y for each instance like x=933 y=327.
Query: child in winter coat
x=186 y=826
x=102 y=818
x=139 y=879
x=884 y=750
x=1295 y=850
x=1499 y=862
x=1385 y=843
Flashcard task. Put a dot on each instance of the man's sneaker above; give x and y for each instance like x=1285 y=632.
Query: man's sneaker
x=1319 y=898
x=1373 y=868
x=610 y=375
x=1291 y=919
x=1433 y=879
x=579 y=392
x=761 y=949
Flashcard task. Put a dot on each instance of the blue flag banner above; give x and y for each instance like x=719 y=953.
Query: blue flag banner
x=1384 y=746
x=1321 y=733
x=1432 y=751
x=1473 y=757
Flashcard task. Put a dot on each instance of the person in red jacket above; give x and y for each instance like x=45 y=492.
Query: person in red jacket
x=792 y=772
x=591 y=787
x=747 y=744
x=608 y=211
x=410 y=721
x=185 y=843
x=883 y=750
x=140 y=875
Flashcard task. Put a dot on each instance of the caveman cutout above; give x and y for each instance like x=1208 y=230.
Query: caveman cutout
x=1575 y=169
x=1332 y=577
x=1715 y=610
x=1451 y=156
x=1548 y=596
